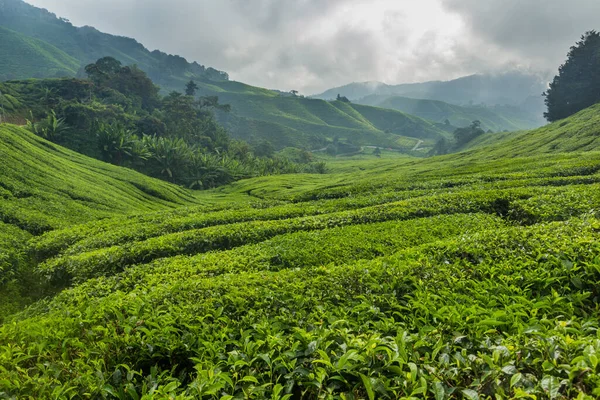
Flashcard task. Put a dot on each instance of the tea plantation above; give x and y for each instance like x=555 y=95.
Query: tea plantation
x=468 y=276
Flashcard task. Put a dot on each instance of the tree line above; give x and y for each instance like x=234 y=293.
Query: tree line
x=118 y=115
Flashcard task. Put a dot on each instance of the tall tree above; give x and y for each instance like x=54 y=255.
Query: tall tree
x=191 y=88
x=577 y=85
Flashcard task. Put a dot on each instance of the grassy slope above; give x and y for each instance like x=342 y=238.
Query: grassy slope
x=44 y=186
x=576 y=133
x=494 y=118
x=347 y=283
x=25 y=57
x=303 y=122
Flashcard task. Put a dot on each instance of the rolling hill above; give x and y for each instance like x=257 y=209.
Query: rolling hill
x=577 y=133
x=44 y=186
x=345 y=284
x=511 y=100
x=312 y=123
x=511 y=88
x=496 y=118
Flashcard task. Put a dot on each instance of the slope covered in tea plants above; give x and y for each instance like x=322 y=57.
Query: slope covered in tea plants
x=44 y=186
x=461 y=276
x=577 y=133
x=25 y=57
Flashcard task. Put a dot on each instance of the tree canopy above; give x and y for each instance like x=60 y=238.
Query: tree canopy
x=577 y=85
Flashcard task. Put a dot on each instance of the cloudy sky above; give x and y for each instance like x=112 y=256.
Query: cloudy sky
x=313 y=45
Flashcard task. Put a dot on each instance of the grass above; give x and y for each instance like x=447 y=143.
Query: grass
x=467 y=276
x=44 y=186
x=576 y=133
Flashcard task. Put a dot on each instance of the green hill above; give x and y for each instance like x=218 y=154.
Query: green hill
x=312 y=123
x=44 y=186
x=577 y=133
x=257 y=113
x=25 y=57
x=467 y=275
x=496 y=118
x=87 y=45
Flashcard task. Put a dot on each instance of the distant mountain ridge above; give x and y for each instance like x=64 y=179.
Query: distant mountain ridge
x=512 y=88
x=495 y=118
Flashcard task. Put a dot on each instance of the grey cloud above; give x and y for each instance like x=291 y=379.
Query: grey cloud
x=309 y=46
x=540 y=31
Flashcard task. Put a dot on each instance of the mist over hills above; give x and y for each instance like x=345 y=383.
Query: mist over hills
x=512 y=87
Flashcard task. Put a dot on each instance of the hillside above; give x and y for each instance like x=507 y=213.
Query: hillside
x=25 y=57
x=577 y=133
x=44 y=186
x=258 y=114
x=312 y=123
x=86 y=45
x=496 y=118
x=463 y=276
x=511 y=88
x=513 y=99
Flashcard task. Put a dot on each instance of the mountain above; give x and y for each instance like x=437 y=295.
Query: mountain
x=86 y=45
x=26 y=57
x=257 y=114
x=511 y=88
x=497 y=118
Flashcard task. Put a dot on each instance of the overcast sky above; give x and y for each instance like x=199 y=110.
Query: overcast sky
x=313 y=45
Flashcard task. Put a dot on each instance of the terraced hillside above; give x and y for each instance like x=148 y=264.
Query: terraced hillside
x=313 y=123
x=87 y=44
x=496 y=118
x=577 y=133
x=461 y=276
x=25 y=57
x=45 y=187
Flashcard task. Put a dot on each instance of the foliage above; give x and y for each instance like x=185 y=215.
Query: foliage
x=461 y=276
x=577 y=85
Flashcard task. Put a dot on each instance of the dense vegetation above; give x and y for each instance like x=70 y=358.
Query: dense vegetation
x=119 y=116
x=577 y=85
x=452 y=277
x=473 y=275
x=257 y=114
x=32 y=58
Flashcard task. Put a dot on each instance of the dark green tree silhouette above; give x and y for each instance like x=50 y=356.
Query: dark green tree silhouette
x=191 y=88
x=577 y=85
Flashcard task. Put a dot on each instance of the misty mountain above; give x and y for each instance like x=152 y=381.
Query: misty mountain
x=512 y=88
x=87 y=44
x=497 y=118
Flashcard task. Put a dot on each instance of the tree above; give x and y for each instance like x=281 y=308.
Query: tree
x=377 y=152
x=191 y=88
x=577 y=85
x=343 y=99
x=464 y=135
x=294 y=93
